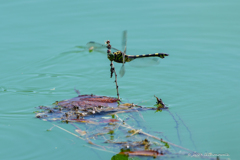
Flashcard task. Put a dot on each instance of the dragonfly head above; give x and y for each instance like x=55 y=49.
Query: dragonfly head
x=107 y=42
x=110 y=55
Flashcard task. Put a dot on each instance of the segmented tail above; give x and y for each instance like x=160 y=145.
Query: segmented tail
x=161 y=55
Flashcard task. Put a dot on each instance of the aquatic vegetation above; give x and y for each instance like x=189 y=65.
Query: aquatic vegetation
x=100 y=120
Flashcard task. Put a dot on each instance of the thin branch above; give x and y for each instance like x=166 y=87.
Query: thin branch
x=68 y=131
x=87 y=139
x=140 y=131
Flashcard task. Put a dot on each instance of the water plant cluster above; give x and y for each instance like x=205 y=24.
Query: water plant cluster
x=97 y=121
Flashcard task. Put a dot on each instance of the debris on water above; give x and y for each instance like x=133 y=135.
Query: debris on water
x=77 y=91
x=149 y=153
x=111 y=132
x=82 y=133
x=96 y=118
x=76 y=109
x=132 y=131
x=160 y=105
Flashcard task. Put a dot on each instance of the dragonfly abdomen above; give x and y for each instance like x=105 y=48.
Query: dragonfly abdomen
x=161 y=55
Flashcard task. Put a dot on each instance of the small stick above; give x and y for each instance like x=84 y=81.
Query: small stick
x=135 y=132
x=122 y=112
x=165 y=141
x=50 y=128
x=87 y=139
x=113 y=71
x=68 y=132
x=90 y=142
x=140 y=131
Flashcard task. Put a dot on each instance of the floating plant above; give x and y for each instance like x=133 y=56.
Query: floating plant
x=102 y=120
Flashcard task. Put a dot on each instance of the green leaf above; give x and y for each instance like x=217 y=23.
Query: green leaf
x=111 y=132
x=119 y=157
x=166 y=145
x=158 y=110
x=112 y=137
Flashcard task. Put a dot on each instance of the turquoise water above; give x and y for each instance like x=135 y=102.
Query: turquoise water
x=41 y=62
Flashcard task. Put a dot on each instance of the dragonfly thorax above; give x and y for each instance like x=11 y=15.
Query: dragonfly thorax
x=110 y=55
x=117 y=57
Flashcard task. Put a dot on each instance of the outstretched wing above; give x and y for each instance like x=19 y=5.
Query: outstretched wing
x=98 y=47
x=145 y=62
x=124 y=49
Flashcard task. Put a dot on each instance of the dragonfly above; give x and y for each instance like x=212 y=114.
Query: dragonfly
x=120 y=56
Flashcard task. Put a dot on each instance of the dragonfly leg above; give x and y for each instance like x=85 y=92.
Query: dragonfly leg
x=113 y=71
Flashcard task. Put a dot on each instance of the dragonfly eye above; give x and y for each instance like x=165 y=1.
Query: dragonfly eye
x=107 y=42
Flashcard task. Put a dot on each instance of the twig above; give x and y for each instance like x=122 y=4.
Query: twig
x=87 y=139
x=90 y=142
x=140 y=131
x=51 y=128
x=68 y=132
x=135 y=132
x=165 y=141
x=113 y=71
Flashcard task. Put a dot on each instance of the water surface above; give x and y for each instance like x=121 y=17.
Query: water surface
x=40 y=62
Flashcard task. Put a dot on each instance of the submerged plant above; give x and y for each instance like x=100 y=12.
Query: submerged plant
x=111 y=132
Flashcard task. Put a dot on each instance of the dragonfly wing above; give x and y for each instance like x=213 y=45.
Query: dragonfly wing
x=145 y=62
x=94 y=45
x=98 y=47
x=124 y=45
x=124 y=49
x=124 y=41
x=122 y=71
